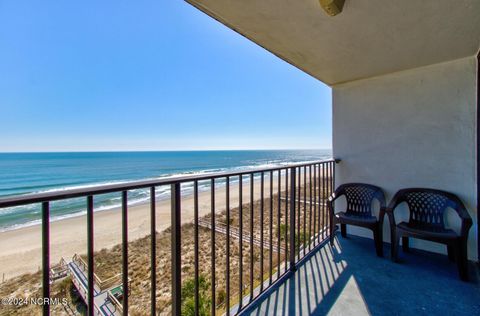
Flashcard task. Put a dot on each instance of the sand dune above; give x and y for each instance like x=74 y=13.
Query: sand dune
x=20 y=249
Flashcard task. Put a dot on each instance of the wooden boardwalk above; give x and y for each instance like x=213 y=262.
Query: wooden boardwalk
x=103 y=305
x=234 y=232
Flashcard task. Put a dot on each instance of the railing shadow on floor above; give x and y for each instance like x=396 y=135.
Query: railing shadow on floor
x=350 y=279
x=317 y=297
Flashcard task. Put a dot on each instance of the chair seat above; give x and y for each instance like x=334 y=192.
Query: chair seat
x=428 y=232
x=354 y=218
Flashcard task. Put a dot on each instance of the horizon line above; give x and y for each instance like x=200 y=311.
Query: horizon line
x=158 y=150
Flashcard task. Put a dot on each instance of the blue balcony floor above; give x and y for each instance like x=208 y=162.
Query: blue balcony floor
x=349 y=279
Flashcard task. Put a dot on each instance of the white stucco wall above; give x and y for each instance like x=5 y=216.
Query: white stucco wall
x=414 y=128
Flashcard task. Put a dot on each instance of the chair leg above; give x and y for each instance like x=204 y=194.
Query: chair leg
x=451 y=252
x=405 y=246
x=395 y=246
x=392 y=240
x=332 y=236
x=332 y=229
x=462 y=260
x=377 y=237
x=343 y=228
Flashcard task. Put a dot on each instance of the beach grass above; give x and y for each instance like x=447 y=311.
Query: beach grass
x=108 y=263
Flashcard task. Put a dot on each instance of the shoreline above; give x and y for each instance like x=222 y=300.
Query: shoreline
x=144 y=201
x=20 y=249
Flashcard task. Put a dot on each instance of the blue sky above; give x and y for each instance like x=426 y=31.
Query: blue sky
x=146 y=75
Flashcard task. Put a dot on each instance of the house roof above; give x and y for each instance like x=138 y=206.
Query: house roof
x=369 y=38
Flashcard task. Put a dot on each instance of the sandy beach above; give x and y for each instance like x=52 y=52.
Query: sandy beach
x=20 y=249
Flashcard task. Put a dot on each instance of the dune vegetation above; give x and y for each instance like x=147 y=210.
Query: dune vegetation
x=108 y=263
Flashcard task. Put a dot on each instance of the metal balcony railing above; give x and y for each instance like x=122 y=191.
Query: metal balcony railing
x=286 y=222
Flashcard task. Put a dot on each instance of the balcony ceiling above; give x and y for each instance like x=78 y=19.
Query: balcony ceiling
x=369 y=38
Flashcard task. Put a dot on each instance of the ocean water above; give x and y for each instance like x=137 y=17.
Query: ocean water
x=23 y=173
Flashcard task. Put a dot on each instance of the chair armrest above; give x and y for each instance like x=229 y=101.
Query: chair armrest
x=398 y=198
x=387 y=210
x=391 y=216
x=335 y=195
x=391 y=220
x=462 y=212
x=332 y=198
x=466 y=219
x=330 y=201
x=466 y=225
x=380 y=196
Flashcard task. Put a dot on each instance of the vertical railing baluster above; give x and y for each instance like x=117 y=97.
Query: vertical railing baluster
x=304 y=209
x=327 y=187
x=195 y=215
x=125 y=284
x=262 y=189
x=310 y=209
x=315 y=204
x=327 y=178
x=251 y=233
x=324 y=196
x=330 y=182
x=270 y=261
x=319 y=188
x=46 y=255
x=287 y=219
x=212 y=239
x=227 y=271
x=333 y=178
x=299 y=211
x=240 y=232
x=320 y=201
x=176 y=249
x=321 y=184
x=279 y=232
x=332 y=164
x=292 y=218
x=153 y=253
x=90 y=258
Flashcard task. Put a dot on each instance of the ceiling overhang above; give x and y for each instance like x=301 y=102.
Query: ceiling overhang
x=369 y=38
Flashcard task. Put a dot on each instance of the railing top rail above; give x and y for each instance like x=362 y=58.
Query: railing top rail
x=141 y=184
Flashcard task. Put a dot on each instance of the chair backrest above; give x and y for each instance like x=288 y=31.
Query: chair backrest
x=428 y=206
x=360 y=197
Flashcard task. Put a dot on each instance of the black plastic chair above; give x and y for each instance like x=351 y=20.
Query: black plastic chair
x=427 y=210
x=360 y=197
